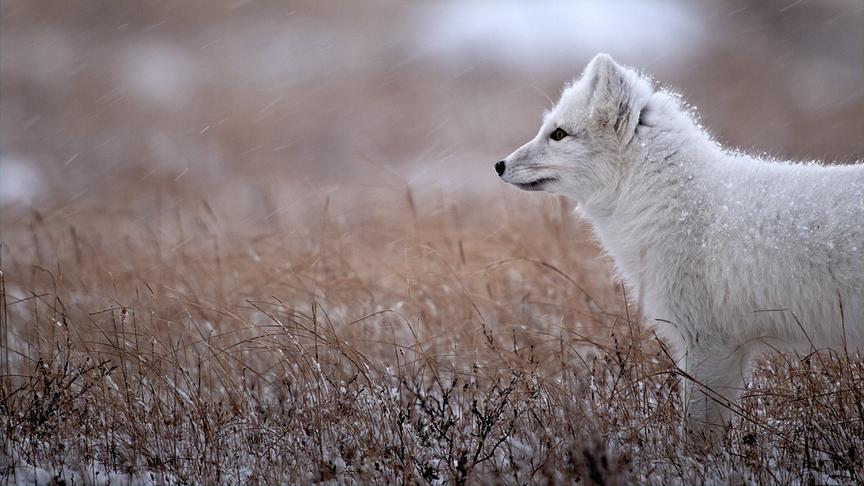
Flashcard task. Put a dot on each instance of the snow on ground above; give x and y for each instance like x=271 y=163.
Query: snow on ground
x=19 y=182
x=543 y=33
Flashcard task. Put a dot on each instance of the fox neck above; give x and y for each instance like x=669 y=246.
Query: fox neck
x=658 y=209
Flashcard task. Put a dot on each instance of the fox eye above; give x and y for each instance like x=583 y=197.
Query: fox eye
x=558 y=134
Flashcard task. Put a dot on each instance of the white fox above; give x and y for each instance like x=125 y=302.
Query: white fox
x=729 y=254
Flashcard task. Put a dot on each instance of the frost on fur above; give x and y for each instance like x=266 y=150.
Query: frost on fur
x=729 y=254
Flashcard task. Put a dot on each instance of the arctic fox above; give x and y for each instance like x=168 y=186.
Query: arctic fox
x=729 y=254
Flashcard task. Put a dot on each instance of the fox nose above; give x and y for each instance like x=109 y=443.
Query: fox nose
x=500 y=166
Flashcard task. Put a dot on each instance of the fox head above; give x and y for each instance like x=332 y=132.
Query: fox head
x=579 y=150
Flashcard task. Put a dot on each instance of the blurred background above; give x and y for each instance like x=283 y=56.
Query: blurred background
x=250 y=104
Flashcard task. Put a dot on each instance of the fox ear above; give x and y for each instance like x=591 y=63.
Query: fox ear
x=615 y=91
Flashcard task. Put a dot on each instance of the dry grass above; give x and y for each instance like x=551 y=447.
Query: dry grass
x=407 y=338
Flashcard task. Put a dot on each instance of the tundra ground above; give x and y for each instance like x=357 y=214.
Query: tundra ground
x=403 y=338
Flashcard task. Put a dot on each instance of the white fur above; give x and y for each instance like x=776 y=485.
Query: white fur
x=729 y=254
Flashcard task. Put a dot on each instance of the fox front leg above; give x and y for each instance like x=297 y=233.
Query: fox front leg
x=714 y=379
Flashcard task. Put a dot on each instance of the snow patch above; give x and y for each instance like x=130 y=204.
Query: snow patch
x=19 y=181
x=549 y=33
x=160 y=72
